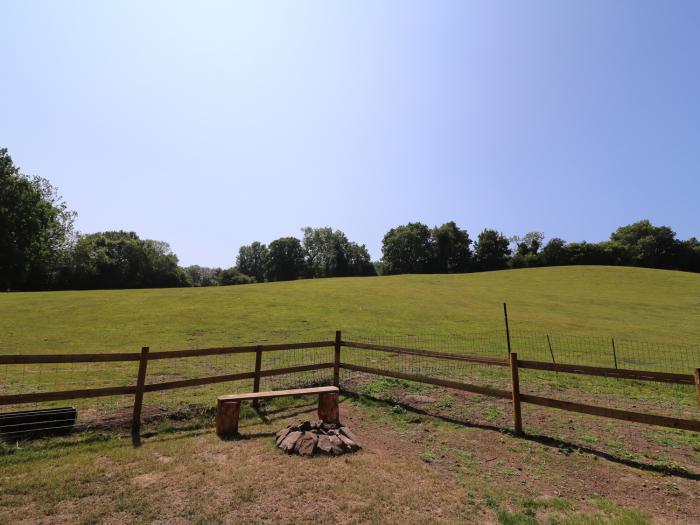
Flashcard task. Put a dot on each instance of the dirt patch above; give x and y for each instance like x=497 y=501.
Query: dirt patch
x=564 y=455
x=164 y=459
x=413 y=468
x=119 y=418
x=146 y=480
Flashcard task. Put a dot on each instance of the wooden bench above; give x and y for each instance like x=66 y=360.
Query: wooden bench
x=228 y=407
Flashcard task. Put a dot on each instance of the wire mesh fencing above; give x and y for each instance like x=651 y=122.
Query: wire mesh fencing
x=674 y=400
x=480 y=360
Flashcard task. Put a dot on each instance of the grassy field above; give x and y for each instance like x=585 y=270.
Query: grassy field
x=629 y=303
x=580 y=307
x=463 y=463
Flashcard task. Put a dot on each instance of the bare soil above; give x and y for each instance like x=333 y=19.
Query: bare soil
x=424 y=460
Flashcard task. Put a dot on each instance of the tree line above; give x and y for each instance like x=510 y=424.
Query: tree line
x=415 y=248
x=39 y=249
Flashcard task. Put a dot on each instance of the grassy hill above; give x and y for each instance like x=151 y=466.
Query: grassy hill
x=456 y=451
x=634 y=303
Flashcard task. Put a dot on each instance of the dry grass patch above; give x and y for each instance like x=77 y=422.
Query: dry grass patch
x=412 y=469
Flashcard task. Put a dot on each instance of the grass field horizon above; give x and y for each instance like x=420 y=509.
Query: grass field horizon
x=657 y=306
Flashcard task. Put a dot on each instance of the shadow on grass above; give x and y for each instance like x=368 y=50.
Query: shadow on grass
x=559 y=444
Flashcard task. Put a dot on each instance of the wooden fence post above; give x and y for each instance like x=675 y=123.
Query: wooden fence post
x=515 y=386
x=336 y=361
x=697 y=383
x=614 y=351
x=505 y=314
x=256 y=379
x=138 y=397
x=551 y=352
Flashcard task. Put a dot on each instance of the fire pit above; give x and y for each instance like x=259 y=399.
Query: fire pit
x=316 y=437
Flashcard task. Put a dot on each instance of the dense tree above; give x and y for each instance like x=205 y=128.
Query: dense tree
x=408 y=249
x=330 y=254
x=285 y=261
x=326 y=252
x=234 y=276
x=647 y=245
x=38 y=249
x=35 y=228
x=689 y=255
x=203 y=276
x=527 y=250
x=119 y=259
x=492 y=250
x=451 y=249
x=555 y=253
x=359 y=261
x=529 y=244
x=252 y=260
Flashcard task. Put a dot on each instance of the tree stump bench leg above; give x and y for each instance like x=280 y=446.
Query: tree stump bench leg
x=328 y=408
x=227 y=413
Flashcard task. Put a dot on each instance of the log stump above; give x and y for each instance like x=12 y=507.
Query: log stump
x=328 y=408
x=227 y=413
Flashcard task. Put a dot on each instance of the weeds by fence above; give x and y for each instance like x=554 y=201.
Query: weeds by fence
x=475 y=365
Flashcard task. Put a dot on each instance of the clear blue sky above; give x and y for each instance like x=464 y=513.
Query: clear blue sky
x=213 y=124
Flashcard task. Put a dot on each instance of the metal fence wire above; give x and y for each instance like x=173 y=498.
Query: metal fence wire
x=677 y=400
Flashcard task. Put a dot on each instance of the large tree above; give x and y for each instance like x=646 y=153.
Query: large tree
x=329 y=253
x=326 y=252
x=203 y=276
x=234 y=276
x=555 y=253
x=408 y=249
x=527 y=250
x=35 y=228
x=252 y=259
x=452 y=251
x=359 y=260
x=492 y=250
x=119 y=259
x=286 y=260
x=647 y=245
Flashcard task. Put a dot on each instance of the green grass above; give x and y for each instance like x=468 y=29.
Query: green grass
x=590 y=303
x=630 y=303
x=444 y=312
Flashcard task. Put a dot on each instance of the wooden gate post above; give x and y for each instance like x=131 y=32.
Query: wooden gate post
x=138 y=397
x=336 y=361
x=515 y=386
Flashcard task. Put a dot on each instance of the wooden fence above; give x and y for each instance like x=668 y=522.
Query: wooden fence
x=517 y=398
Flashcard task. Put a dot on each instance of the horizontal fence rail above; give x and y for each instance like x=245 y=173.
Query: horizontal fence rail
x=613 y=413
x=621 y=373
x=475 y=389
x=513 y=363
x=65 y=395
x=166 y=354
x=427 y=353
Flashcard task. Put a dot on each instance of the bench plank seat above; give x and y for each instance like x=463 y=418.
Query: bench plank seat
x=279 y=393
x=228 y=406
